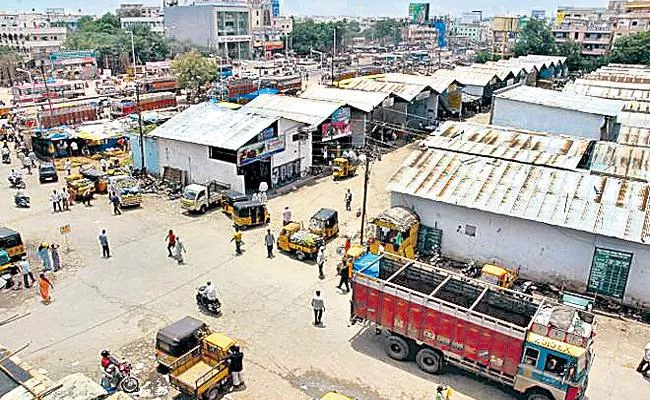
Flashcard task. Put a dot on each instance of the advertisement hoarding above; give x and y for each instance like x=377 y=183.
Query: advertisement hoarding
x=418 y=13
x=338 y=125
x=275 y=8
x=260 y=150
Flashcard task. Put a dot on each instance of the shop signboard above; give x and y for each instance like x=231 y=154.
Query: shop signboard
x=418 y=13
x=260 y=150
x=338 y=126
x=609 y=272
x=275 y=8
x=57 y=56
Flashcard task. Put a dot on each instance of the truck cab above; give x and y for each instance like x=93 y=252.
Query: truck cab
x=198 y=198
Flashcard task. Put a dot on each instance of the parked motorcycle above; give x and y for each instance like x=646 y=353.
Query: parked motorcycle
x=22 y=199
x=6 y=159
x=472 y=269
x=213 y=306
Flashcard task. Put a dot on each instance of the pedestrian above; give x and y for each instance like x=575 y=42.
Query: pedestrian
x=179 y=249
x=238 y=242
x=104 y=164
x=44 y=286
x=263 y=198
x=269 y=241
x=56 y=258
x=644 y=365
x=87 y=194
x=345 y=272
x=64 y=196
x=320 y=261
x=70 y=196
x=115 y=200
x=26 y=269
x=256 y=197
x=236 y=366
x=54 y=199
x=286 y=216
x=103 y=240
x=347 y=245
x=32 y=158
x=348 y=200
x=171 y=242
x=318 y=304
x=74 y=148
x=68 y=166
x=44 y=255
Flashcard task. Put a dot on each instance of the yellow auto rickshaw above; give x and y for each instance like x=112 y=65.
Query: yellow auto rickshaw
x=230 y=197
x=396 y=230
x=343 y=168
x=335 y=396
x=499 y=276
x=302 y=243
x=12 y=248
x=325 y=223
x=249 y=213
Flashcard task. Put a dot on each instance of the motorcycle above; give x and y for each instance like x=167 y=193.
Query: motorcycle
x=5 y=158
x=21 y=200
x=120 y=377
x=17 y=182
x=213 y=306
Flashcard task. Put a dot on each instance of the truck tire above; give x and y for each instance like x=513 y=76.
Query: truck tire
x=537 y=394
x=397 y=348
x=300 y=256
x=213 y=394
x=203 y=209
x=429 y=361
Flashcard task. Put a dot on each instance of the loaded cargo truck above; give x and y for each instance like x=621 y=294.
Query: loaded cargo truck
x=199 y=198
x=542 y=349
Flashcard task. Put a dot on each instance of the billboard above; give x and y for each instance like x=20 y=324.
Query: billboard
x=72 y=54
x=275 y=8
x=418 y=13
x=338 y=126
x=260 y=150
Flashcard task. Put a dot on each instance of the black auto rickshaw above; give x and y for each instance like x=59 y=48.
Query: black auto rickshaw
x=179 y=338
x=325 y=223
x=11 y=247
x=250 y=213
x=230 y=197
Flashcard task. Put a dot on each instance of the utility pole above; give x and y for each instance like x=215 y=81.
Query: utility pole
x=137 y=107
x=47 y=90
x=366 y=178
x=333 y=55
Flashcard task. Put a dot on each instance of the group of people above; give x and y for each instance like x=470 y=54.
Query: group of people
x=24 y=269
x=175 y=247
x=61 y=200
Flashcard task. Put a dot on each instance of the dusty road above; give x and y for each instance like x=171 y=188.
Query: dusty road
x=119 y=303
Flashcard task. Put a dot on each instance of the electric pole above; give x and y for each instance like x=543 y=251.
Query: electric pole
x=333 y=55
x=366 y=178
x=143 y=171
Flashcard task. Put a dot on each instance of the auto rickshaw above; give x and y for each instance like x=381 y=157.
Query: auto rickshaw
x=230 y=197
x=77 y=186
x=249 y=213
x=325 y=223
x=343 y=168
x=298 y=241
x=499 y=276
x=179 y=338
x=335 y=396
x=397 y=231
x=11 y=246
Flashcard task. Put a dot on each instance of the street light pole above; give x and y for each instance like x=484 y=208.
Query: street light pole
x=143 y=170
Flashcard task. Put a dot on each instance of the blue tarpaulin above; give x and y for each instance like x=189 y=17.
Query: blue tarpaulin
x=368 y=260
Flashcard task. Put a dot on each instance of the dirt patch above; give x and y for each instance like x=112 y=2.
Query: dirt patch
x=315 y=384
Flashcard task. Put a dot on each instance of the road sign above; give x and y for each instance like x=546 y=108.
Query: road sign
x=64 y=229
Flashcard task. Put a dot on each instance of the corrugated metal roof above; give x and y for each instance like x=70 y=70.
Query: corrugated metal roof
x=402 y=90
x=637 y=106
x=502 y=71
x=362 y=100
x=507 y=143
x=211 y=125
x=595 y=204
x=568 y=101
x=307 y=111
x=621 y=161
x=467 y=76
x=439 y=84
x=606 y=92
x=634 y=136
x=635 y=119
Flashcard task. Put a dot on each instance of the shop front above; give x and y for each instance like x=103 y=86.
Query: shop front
x=333 y=137
x=254 y=158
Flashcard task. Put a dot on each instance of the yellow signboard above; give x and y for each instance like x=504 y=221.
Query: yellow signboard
x=64 y=229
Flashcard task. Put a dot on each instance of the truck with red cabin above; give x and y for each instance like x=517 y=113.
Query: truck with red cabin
x=540 y=348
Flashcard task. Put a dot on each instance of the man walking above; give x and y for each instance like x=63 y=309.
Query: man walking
x=644 y=365
x=344 y=272
x=320 y=261
x=64 y=196
x=171 y=242
x=68 y=167
x=236 y=366
x=348 y=200
x=27 y=272
x=179 y=249
x=115 y=200
x=318 y=304
x=286 y=216
x=103 y=240
x=54 y=199
x=269 y=241
x=87 y=195
x=237 y=238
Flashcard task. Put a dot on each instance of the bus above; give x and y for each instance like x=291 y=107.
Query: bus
x=36 y=92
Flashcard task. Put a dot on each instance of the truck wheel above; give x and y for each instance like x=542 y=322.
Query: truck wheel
x=429 y=361
x=538 y=394
x=213 y=394
x=300 y=256
x=397 y=348
x=203 y=209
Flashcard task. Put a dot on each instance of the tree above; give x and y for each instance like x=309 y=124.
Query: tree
x=9 y=60
x=535 y=38
x=193 y=71
x=633 y=49
x=386 y=32
x=483 y=56
x=308 y=35
x=573 y=53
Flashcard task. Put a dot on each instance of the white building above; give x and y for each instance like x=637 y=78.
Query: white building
x=538 y=109
x=559 y=226
x=155 y=24
x=31 y=34
x=138 y=10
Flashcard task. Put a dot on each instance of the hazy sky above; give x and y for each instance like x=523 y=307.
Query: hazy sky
x=393 y=8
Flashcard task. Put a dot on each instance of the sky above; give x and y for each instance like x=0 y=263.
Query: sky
x=392 y=8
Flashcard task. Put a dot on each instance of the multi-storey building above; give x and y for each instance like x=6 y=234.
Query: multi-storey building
x=222 y=27
x=594 y=37
x=155 y=24
x=31 y=34
x=629 y=17
x=138 y=10
x=420 y=34
x=596 y=14
x=284 y=23
x=504 y=34
x=477 y=32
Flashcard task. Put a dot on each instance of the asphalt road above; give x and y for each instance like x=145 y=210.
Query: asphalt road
x=119 y=303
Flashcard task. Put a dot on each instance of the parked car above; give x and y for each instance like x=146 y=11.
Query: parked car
x=47 y=173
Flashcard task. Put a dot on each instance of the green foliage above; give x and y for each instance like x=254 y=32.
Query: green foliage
x=308 y=35
x=386 y=32
x=535 y=38
x=572 y=51
x=633 y=49
x=483 y=56
x=193 y=70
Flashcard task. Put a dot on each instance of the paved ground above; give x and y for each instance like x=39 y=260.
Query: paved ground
x=119 y=303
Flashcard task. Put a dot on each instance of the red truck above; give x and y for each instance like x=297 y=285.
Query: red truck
x=540 y=348
x=151 y=101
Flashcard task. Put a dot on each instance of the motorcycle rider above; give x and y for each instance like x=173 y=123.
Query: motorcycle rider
x=210 y=292
x=5 y=153
x=14 y=176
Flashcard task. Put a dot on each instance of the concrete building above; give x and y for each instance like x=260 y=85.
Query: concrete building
x=594 y=14
x=284 y=23
x=155 y=24
x=504 y=34
x=477 y=32
x=223 y=27
x=551 y=111
x=471 y=17
x=32 y=35
x=633 y=18
x=568 y=228
x=594 y=37
x=421 y=34
x=138 y=10
x=239 y=148
x=539 y=15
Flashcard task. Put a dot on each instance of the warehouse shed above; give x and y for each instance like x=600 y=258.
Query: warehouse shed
x=570 y=228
